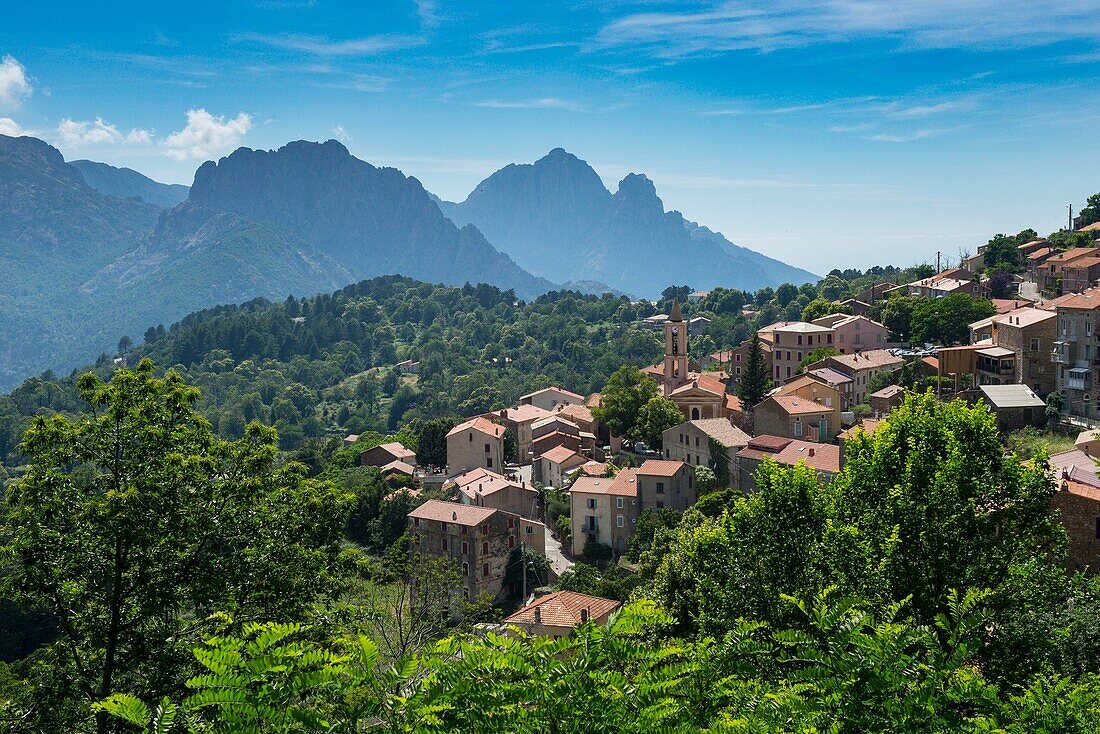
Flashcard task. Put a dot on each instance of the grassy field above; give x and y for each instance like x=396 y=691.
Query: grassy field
x=1028 y=442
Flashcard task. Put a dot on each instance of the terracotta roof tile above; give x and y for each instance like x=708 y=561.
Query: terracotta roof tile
x=563 y=609
x=561 y=454
x=660 y=468
x=794 y=405
x=483 y=425
x=453 y=512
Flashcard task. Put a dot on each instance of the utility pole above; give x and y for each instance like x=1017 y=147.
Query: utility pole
x=1071 y=217
x=938 y=253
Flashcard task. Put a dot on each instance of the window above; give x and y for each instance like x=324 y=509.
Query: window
x=1035 y=345
x=797 y=428
x=443 y=544
x=486 y=448
x=696 y=442
x=471 y=437
x=511 y=523
x=416 y=522
x=484 y=547
x=829 y=338
x=619 y=503
x=485 y=570
x=591 y=503
x=660 y=487
x=511 y=541
x=465 y=530
x=465 y=548
x=799 y=340
x=828 y=402
x=529 y=530
x=489 y=462
x=465 y=569
x=485 y=529
x=619 y=521
x=695 y=414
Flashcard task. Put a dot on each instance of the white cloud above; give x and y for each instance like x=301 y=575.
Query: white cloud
x=207 y=136
x=428 y=12
x=768 y=25
x=76 y=133
x=10 y=127
x=14 y=85
x=321 y=46
x=531 y=104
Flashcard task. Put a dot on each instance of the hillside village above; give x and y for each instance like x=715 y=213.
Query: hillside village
x=550 y=476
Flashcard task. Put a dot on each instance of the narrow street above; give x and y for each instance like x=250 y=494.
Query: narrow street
x=557 y=559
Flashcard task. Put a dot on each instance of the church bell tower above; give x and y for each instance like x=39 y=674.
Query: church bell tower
x=676 y=352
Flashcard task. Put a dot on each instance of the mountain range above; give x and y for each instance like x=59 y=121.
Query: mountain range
x=556 y=218
x=92 y=252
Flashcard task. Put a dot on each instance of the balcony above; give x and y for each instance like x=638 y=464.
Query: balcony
x=1077 y=378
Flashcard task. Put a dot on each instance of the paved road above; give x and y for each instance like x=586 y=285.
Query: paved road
x=557 y=559
x=1029 y=290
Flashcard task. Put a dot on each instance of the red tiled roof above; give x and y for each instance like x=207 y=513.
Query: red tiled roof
x=625 y=483
x=576 y=413
x=452 y=512
x=660 y=468
x=768 y=443
x=866 y=360
x=794 y=405
x=523 y=413
x=1087 y=299
x=563 y=609
x=560 y=454
x=594 y=468
x=1080 y=489
x=483 y=425
x=567 y=393
x=820 y=456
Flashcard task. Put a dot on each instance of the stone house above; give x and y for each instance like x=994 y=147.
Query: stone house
x=663 y=484
x=549 y=398
x=861 y=367
x=477 y=443
x=485 y=488
x=886 y=399
x=477 y=541
x=1077 y=505
x=690 y=441
x=1075 y=356
x=793 y=417
x=556 y=615
x=824 y=459
x=519 y=420
x=387 y=453
x=793 y=342
x=553 y=468
x=604 y=510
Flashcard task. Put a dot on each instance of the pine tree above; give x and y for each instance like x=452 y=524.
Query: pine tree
x=755 y=381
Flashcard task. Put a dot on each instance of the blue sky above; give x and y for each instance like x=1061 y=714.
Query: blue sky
x=828 y=133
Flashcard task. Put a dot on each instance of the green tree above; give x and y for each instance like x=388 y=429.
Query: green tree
x=897 y=315
x=431 y=447
x=656 y=416
x=755 y=378
x=785 y=293
x=124 y=345
x=819 y=307
x=1090 y=214
x=133 y=524
x=627 y=391
x=816 y=356
x=946 y=320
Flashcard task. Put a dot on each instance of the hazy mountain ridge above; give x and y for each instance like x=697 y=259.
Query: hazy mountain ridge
x=372 y=221
x=556 y=218
x=127 y=183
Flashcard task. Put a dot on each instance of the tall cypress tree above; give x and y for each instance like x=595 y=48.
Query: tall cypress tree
x=755 y=380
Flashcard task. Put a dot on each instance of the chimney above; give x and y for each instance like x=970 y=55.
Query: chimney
x=811 y=451
x=504 y=413
x=584 y=615
x=1065 y=472
x=538 y=615
x=454 y=515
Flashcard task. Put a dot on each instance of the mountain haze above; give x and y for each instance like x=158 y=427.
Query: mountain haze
x=372 y=221
x=126 y=183
x=556 y=218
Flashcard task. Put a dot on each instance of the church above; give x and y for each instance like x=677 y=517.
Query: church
x=697 y=394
